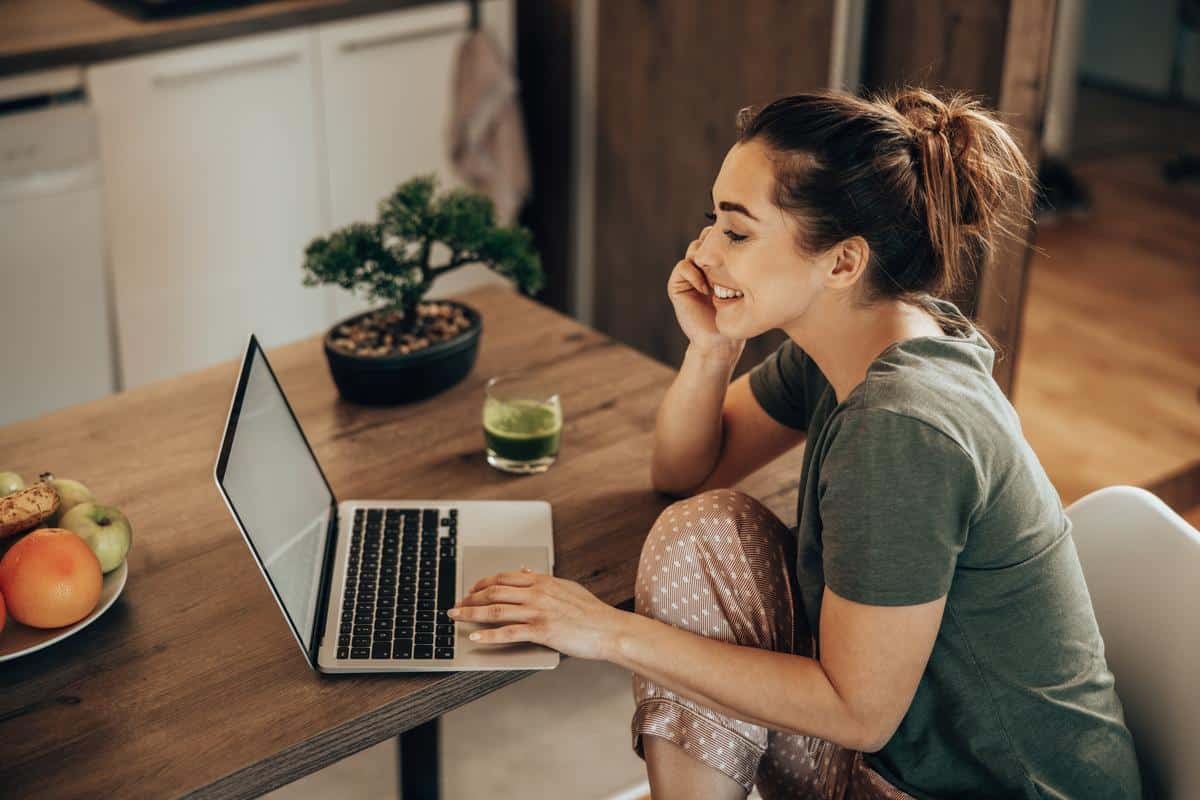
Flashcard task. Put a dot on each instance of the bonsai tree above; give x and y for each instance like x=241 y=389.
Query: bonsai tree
x=390 y=260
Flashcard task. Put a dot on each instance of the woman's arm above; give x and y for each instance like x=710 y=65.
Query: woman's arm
x=688 y=430
x=872 y=657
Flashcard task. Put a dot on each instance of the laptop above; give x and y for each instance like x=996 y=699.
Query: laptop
x=365 y=584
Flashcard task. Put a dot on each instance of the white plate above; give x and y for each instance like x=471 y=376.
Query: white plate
x=17 y=639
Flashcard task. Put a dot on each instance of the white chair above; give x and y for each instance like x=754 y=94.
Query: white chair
x=1141 y=561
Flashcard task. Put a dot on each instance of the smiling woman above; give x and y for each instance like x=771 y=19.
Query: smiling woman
x=924 y=630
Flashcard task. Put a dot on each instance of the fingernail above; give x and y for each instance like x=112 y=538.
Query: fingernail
x=452 y=612
x=474 y=637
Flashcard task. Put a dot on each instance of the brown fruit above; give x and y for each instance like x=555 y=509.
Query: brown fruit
x=27 y=508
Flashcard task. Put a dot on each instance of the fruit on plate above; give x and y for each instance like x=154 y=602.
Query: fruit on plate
x=105 y=529
x=70 y=493
x=10 y=482
x=50 y=578
x=27 y=508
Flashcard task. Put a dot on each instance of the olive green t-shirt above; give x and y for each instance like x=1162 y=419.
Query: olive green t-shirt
x=920 y=484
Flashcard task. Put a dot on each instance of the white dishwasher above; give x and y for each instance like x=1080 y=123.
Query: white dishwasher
x=56 y=342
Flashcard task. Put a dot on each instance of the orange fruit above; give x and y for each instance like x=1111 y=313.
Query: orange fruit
x=50 y=578
x=2 y=620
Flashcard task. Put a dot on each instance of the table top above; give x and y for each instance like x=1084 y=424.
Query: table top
x=192 y=683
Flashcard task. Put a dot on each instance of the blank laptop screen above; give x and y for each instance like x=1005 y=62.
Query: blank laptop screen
x=277 y=490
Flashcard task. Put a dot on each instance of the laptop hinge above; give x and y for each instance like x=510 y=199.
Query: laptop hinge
x=326 y=579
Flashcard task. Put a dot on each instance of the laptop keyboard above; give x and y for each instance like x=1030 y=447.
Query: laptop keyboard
x=399 y=583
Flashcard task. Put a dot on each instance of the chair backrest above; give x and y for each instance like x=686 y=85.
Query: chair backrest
x=1141 y=561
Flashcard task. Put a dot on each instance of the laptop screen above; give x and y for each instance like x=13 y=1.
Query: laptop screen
x=276 y=489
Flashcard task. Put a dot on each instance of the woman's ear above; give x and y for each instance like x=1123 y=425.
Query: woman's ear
x=849 y=262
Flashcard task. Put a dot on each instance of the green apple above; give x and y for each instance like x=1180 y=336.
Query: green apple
x=70 y=494
x=10 y=482
x=104 y=528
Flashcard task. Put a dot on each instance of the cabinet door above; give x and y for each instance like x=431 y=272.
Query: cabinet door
x=55 y=348
x=211 y=187
x=386 y=89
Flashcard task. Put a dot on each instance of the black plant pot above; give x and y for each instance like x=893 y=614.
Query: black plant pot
x=407 y=378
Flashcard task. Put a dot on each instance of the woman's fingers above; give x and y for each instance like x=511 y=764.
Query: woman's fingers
x=692 y=276
x=497 y=593
x=495 y=612
x=509 y=578
x=509 y=633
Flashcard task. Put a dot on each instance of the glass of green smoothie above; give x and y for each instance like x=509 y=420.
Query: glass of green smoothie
x=522 y=423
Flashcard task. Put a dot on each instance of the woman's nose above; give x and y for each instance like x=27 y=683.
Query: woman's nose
x=707 y=254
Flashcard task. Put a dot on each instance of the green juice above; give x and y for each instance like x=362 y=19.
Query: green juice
x=521 y=430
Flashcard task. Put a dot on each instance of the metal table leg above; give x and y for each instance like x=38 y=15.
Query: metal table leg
x=418 y=762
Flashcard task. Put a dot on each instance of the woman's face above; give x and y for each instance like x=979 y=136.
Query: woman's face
x=752 y=249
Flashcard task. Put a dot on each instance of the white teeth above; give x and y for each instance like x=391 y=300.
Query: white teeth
x=725 y=292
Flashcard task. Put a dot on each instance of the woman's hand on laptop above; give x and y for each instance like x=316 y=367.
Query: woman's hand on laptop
x=550 y=611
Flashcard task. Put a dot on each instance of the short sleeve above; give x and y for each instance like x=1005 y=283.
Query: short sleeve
x=787 y=384
x=896 y=501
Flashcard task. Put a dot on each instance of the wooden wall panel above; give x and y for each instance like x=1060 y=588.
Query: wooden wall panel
x=545 y=42
x=671 y=76
x=956 y=44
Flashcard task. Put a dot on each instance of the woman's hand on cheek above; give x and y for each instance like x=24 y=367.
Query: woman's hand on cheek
x=533 y=607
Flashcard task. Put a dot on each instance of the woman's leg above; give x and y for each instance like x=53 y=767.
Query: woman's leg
x=720 y=565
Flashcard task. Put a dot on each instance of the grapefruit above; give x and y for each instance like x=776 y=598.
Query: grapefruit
x=50 y=578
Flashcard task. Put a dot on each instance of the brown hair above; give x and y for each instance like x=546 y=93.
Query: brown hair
x=931 y=184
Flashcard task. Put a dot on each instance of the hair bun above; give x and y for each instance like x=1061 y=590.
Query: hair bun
x=925 y=112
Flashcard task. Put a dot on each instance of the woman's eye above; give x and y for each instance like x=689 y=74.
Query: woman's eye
x=735 y=237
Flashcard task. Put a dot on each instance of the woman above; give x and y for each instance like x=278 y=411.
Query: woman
x=925 y=631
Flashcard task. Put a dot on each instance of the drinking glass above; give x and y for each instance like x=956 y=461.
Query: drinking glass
x=522 y=423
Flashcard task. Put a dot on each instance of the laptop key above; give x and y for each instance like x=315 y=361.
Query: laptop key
x=362 y=629
x=444 y=641
x=402 y=648
x=425 y=616
x=444 y=652
x=343 y=652
x=423 y=638
x=425 y=605
x=382 y=650
x=444 y=629
x=360 y=641
x=423 y=651
x=384 y=635
x=360 y=652
x=424 y=627
x=344 y=640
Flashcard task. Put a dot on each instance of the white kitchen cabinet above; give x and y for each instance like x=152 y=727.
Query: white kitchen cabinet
x=212 y=189
x=386 y=92
x=55 y=347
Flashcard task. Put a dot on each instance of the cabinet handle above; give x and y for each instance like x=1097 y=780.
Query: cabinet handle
x=167 y=80
x=371 y=42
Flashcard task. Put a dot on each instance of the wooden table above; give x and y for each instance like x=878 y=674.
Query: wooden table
x=192 y=684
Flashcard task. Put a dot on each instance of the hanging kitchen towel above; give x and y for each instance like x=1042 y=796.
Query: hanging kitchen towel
x=487 y=135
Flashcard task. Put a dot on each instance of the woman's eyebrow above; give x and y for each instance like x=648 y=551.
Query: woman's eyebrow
x=725 y=205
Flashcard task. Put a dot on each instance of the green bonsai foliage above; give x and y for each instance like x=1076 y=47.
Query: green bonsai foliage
x=389 y=260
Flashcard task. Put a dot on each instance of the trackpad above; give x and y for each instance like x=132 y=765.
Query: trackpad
x=483 y=562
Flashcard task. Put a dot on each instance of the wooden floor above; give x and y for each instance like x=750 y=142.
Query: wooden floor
x=1108 y=381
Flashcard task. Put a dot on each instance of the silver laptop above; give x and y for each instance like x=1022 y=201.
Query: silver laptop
x=365 y=584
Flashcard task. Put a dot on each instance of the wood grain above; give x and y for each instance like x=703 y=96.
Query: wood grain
x=949 y=44
x=192 y=684
x=35 y=34
x=671 y=76
x=1000 y=292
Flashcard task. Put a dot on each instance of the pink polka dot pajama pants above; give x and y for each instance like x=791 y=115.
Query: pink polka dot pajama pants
x=722 y=565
